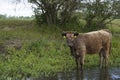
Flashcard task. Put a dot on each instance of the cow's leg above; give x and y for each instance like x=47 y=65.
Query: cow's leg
x=101 y=62
x=82 y=56
x=77 y=62
x=80 y=53
x=101 y=57
x=81 y=63
x=106 y=55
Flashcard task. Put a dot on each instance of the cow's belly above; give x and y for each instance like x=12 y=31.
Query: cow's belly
x=93 y=49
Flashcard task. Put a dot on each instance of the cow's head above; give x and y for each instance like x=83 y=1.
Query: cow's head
x=70 y=36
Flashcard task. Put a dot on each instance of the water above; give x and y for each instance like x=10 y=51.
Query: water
x=92 y=74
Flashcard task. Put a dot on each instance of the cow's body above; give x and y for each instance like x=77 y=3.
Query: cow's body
x=90 y=43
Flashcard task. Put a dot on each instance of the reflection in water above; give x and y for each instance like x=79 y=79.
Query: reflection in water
x=76 y=75
x=93 y=74
x=104 y=74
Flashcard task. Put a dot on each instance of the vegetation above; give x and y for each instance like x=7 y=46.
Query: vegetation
x=96 y=13
x=28 y=50
x=40 y=52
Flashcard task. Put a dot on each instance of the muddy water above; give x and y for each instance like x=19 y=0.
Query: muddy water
x=92 y=74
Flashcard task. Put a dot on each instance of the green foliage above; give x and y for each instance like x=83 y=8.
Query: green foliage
x=114 y=26
x=114 y=56
x=75 y=25
x=43 y=56
x=15 y=22
x=2 y=16
x=54 y=11
x=43 y=52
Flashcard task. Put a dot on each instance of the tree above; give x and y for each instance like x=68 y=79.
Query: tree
x=116 y=7
x=47 y=9
x=52 y=11
x=67 y=9
x=98 y=13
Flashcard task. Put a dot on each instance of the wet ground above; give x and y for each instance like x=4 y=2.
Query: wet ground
x=91 y=74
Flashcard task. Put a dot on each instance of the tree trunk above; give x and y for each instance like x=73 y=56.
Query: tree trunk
x=51 y=14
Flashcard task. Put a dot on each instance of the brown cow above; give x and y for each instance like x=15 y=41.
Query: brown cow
x=90 y=43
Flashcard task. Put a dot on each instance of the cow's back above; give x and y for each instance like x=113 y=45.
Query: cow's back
x=94 y=41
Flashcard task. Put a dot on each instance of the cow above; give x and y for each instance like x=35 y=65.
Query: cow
x=95 y=42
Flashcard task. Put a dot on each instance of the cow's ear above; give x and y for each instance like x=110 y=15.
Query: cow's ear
x=64 y=34
x=76 y=34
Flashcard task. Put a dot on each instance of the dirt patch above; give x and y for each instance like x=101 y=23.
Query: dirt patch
x=10 y=43
x=2 y=49
x=13 y=43
x=7 y=28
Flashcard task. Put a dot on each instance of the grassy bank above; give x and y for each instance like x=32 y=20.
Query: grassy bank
x=28 y=50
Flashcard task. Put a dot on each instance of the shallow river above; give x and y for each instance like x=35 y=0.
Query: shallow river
x=92 y=74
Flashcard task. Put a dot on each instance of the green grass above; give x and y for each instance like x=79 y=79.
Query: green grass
x=15 y=23
x=114 y=26
x=43 y=50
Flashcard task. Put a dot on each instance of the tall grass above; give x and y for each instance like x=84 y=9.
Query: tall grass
x=43 y=51
x=15 y=22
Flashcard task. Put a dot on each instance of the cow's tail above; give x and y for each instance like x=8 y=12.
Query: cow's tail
x=110 y=48
x=110 y=43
